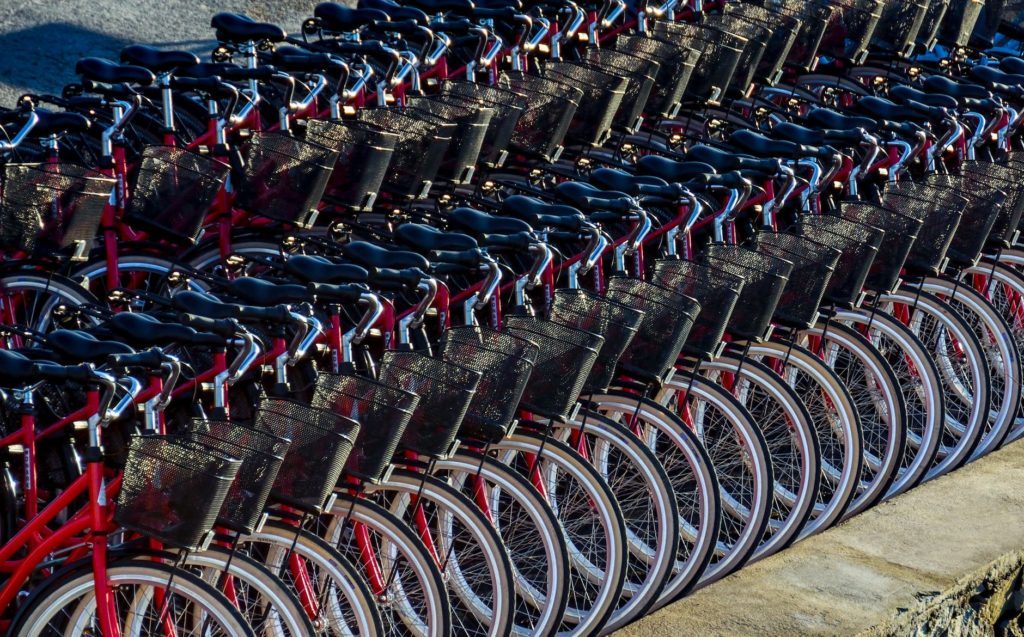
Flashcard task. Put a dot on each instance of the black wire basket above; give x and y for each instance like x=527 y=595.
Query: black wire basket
x=51 y=206
x=551 y=107
x=603 y=92
x=852 y=27
x=898 y=27
x=640 y=73
x=471 y=123
x=780 y=31
x=720 y=54
x=756 y=36
x=445 y=390
x=284 y=177
x=715 y=289
x=668 y=318
x=675 y=68
x=173 y=191
x=364 y=154
x=321 y=442
x=173 y=489
x=900 y=233
x=813 y=265
x=261 y=454
x=939 y=207
x=858 y=246
x=564 y=358
x=421 y=145
x=507 y=106
x=1008 y=177
x=764 y=280
x=814 y=16
x=505 y=363
x=382 y=411
x=617 y=322
x=984 y=208
x=928 y=36
x=960 y=21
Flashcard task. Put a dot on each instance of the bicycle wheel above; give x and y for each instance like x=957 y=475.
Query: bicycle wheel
x=837 y=425
x=187 y=606
x=918 y=381
x=590 y=519
x=403 y=576
x=31 y=298
x=741 y=461
x=962 y=370
x=336 y=598
x=1000 y=354
x=692 y=477
x=465 y=546
x=644 y=492
x=791 y=439
x=144 y=272
x=529 y=530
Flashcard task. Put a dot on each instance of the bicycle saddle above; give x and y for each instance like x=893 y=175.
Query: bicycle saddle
x=433 y=7
x=316 y=269
x=234 y=27
x=373 y=256
x=479 y=222
x=958 y=90
x=723 y=161
x=82 y=347
x=424 y=238
x=909 y=110
x=107 y=72
x=540 y=214
x=210 y=306
x=1013 y=65
x=904 y=92
x=998 y=81
x=588 y=197
x=63 y=122
x=396 y=11
x=291 y=58
x=143 y=330
x=17 y=371
x=499 y=4
x=635 y=185
x=816 y=137
x=758 y=144
x=671 y=170
x=343 y=293
x=334 y=17
x=263 y=293
x=155 y=60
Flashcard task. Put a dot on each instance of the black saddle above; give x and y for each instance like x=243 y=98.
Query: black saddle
x=540 y=214
x=374 y=256
x=316 y=269
x=107 y=72
x=234 y=27
x=334 y=17
x=481 y=223
x=155 y=59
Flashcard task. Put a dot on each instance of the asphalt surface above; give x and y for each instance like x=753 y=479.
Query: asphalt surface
x=40 y=40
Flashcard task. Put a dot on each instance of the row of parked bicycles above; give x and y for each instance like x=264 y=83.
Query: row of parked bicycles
x=489 y=317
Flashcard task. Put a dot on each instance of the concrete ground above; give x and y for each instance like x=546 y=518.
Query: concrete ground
x=860 y=574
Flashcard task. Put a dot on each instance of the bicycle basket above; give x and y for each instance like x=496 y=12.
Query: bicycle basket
x=445 y=390
x=173 y=191
x=933 y=17
x=507 y=106
x=852 y=27
x=1008 y=177
x=550 y=110
x=382 y=411
x=858 y=245
x=675 y=68
x=899 y=25
x=505 y=363
x=364 y=153
x=321 y=444
x=813 y=265
x=814 y=19
x=720 y=57
x=779 y=31
x=173 y=489
x=564 y=358
x=603 y=92
x=471 y=122
x=284 y=177
x=640 y=74
x=422 y=143
x=900 y=232
x=715 y=289
x=939 y=207
x=756 y=36
x=960 y=21
x=668 y=318
x=764 y=279
x=984 y=207
x=51 y=206
x=617 y=322
x=261 y=454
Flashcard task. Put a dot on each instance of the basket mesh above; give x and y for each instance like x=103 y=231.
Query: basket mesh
x=984 y=208
x=173 y=191
x=939 y=207
x=364 y=153
x=564 y=359
x=422 y=143
x=858 y=245
x=471 y=123
x=764 y=279
x=675 y=68
x=813 y=265
x=321 y=444
x=932 y=22
x=778 y=29
x=284 y=177
x=668 y=318
x=720 y=57
x=754 y=49
x=617 y=322
x=54 y=205
x=382 y=411
x=173 y=489
x=603 y=92
x=960 y=21
x=445 y=390
x=1007 y=176
x=549 y=113
x=900 y=233
x=505 y=363
x=261 y=454
x=640 y=74
x=899 y=25
x=715 y=289
x=507 y=106
x=853 y=24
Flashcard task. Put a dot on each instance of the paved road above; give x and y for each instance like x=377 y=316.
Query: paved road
x=40 y=40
